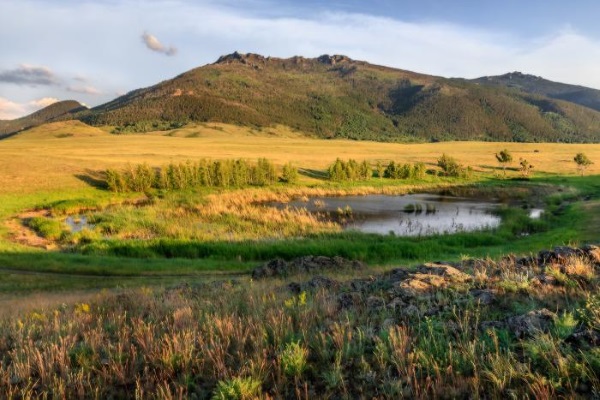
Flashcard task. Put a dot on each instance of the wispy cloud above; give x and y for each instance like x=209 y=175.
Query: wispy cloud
x=29 y=75
x=154 y=44
x=84 y=89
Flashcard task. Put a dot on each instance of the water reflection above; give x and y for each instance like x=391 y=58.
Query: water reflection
x=409 y=215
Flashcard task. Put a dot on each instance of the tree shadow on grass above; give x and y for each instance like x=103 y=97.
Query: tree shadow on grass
x=95 y=179
x=313 y=173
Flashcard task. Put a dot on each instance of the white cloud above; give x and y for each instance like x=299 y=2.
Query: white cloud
x=12 y=110
x=43 y=102
x=111 y=54
x=154 y=44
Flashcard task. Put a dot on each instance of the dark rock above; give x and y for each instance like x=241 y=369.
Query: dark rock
x=532 y=323
x=485 y=325
x=271 y=268
x=411 y=311
x=559 y=255
x=592 y=252
x=316 y=282
x=375 y=302
x=351 y=299
x=584 y=338
x=361 y=285
x=396 y=304
x=545 y=279
x=307 y=264
x=388 y=323
x=395 y=275
x=484 y=297
x=294 y=287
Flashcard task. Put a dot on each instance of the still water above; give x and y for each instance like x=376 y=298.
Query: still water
x=408 y=215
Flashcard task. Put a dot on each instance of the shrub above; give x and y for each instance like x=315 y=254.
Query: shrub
x=115 y=181
x=237 y=389
x=289 y=173
x=293 y=359
x=582 y=162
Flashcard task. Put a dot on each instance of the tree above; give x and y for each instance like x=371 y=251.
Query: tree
x=525 y=167
x=289 y=173
x=380 y=169
x=582 y=162
x=504 y=157
x=449 y=166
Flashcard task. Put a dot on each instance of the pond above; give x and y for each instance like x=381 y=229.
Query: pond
x=408 y=215
x=77 y=223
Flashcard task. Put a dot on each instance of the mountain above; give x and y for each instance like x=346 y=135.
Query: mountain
x=537 y=85
x=61 y=110
x=337 y=97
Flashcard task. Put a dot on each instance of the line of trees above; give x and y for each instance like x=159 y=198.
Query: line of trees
x=352 y=170
x=203 y=173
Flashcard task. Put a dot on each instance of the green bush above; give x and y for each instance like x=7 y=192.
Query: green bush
x=289 y=173
x=293 y=359
x=237 y=389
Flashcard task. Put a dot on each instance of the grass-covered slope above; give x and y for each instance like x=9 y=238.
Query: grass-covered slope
x=334 y=96
x=581 y=95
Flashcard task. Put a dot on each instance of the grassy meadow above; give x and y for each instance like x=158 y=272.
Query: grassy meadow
x=180 y=317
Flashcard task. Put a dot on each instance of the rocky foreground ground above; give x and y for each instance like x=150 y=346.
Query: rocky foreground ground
x=319 y=327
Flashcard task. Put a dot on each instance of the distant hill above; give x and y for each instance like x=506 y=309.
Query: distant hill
x=537 y=85
x=337 y=97
x=61 y=110
x=59 y=130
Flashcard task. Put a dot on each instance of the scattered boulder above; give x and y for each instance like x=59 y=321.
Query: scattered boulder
x=592 y=252
x=559 y=255
x=375 y=303
x=485 y=297
x=396 y=304
x=315 y=283
x=446 y=271
x=530 y=324
x=350 y=299
x=307 y=264
x=584 y=338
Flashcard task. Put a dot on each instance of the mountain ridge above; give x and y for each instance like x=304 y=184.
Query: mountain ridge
x=66 y=109
x=578 y=94
x=334 y=96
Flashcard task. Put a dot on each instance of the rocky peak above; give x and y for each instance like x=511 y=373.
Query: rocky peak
x=334 y=59
x=250 y=59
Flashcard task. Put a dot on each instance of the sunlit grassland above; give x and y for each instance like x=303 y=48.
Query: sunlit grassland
x=64 y=162
x=35 y=161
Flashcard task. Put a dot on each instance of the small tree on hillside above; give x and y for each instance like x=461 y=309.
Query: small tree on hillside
x=504 y=157
x=582 y=162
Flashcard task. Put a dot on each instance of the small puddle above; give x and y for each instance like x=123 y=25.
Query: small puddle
x=408 y=215
x=77 y=223
x=536 y=213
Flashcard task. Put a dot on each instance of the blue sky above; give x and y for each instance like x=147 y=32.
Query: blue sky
x=93 y=51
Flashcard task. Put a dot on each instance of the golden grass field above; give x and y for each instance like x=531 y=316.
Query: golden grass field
x=49 y=157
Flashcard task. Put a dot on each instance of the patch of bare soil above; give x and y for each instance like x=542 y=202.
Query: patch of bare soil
x=20 y=233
